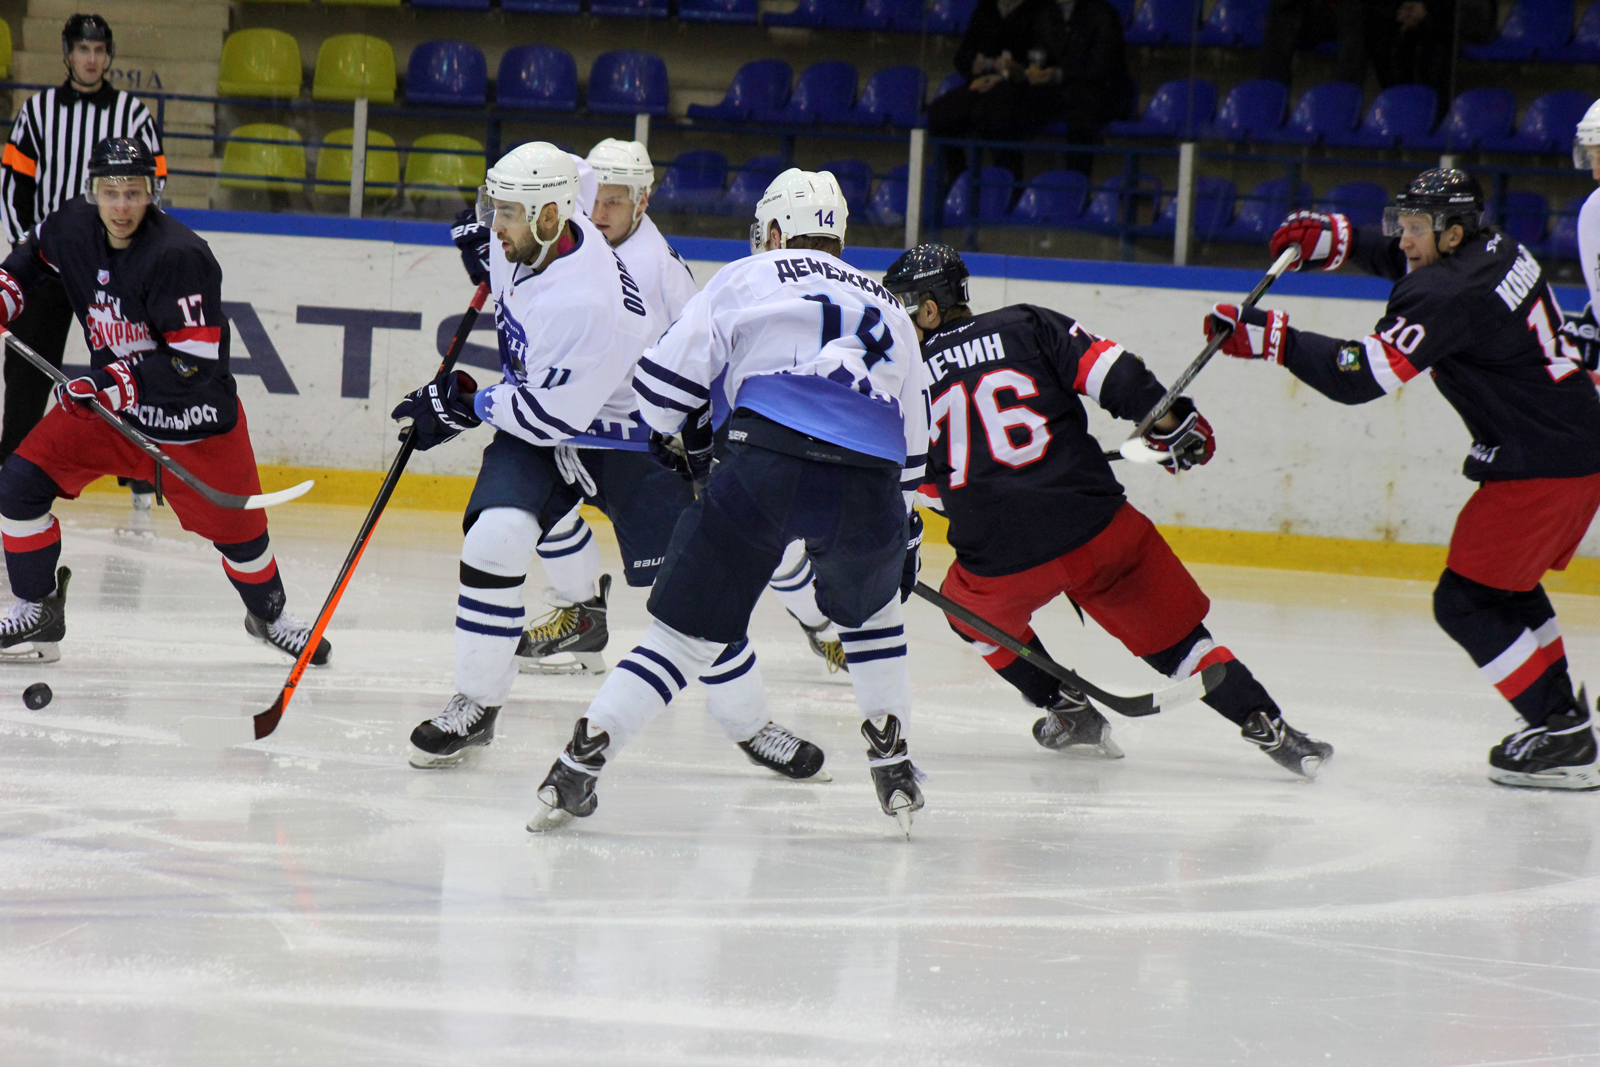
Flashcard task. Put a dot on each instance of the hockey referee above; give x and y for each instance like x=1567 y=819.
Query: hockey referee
x=44 y=166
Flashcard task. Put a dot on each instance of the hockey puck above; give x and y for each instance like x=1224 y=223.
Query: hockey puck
x=37 y=695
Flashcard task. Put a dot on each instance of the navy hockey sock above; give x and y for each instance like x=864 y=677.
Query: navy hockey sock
x=1514 y=639
x=1036 y=687
x=1237 y=697
x=31 y=534
x=253 y=570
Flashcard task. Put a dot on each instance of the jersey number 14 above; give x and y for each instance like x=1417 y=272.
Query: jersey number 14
x=1016 y=436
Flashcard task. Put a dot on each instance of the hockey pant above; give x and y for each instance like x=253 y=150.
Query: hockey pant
x=1514 y=639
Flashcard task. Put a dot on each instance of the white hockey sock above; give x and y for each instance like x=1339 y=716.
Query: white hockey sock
x=571 y=558
x=489 y=612
x=795 y=584
x=736 y=697
x=645 y=681
x=876 y=654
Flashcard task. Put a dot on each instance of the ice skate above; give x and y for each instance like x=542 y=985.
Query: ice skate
x=139 y=526
x=448 y=737
x=575 y=630
x=1288 y=747
x=893 y=774
x=776 y=749
x=1561 y=754
x=287 y=633
x=1072 y=723
x=30 y=629
x=568 y=790
x=824 y=641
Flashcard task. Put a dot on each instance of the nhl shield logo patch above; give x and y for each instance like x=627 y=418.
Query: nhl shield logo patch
x=103 y=277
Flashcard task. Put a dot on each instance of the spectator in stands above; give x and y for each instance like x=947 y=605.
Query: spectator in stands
x=1304 y=24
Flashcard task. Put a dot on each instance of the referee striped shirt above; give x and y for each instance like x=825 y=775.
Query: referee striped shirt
x=47 y=158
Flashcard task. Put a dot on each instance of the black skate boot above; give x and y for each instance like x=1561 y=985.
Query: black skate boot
x=831 y=651
x=1070 y=722
x=1288 y=747
x=776 y=749
x=576 y=629
x=893 y=774
x=568 y=790
x=30 y=629
x=449 y=736
x=1561 y=754
x=287 y=633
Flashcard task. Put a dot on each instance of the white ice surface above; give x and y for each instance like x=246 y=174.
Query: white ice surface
x=312 y=900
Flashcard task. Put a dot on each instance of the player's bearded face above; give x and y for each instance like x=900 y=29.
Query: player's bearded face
x=615 y=214
x=510 y=225
x=122 y=203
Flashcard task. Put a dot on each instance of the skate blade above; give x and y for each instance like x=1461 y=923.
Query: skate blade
x=429 y=761
x=900 y=807
x=822 y=775
x=1109 y=748
x=551 y=818
x=1576 y=779
x=580 y=663
x=31 y=652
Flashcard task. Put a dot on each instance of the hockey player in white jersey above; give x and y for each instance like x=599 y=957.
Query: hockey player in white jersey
x=1581 y=328
x=571 y=325
x=826 y=443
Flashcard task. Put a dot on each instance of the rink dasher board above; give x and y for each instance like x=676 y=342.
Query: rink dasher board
x=1288 y=460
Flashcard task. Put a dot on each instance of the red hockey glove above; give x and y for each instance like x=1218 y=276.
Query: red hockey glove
x=1188 y=444
x=10 y=299
x=1255 y=334
x=1324 y=240
x=113 y=385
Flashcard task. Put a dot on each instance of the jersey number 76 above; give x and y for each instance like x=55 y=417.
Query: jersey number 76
x=1017 y=435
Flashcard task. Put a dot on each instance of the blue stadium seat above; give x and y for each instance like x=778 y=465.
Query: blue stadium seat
x=1525 y=216
x=1360 y=202
x=1547 y=126
x=1054 y=198
x=1332 y=107
x=880 y=15
x=823 y=94
x=1563 y=242
x=855 y=181
x=760 y=84
x=1106 y=203
x=1249 y=107
x=992 y=197
x=447 y=72
x=1534 y=29
x=1235 y=24
x=1399 y=111
x=892 y=97
x=731 y=11
x=950 y=16
x=629 y=9
x=1169 y=110
x=951 y=83
x=814 y=14
x=1262 y=212
x=1213 y=210
x=543 y=7
x=888 y=204
x=1161 y=22
x=1584 y=48
x=454 y=5
x=750 y=180
x=537 y=77
x=692 y=182
x=1474 y=115
x=626 y=82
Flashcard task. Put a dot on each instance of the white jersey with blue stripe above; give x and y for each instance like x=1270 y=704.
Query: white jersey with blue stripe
x=807 y=341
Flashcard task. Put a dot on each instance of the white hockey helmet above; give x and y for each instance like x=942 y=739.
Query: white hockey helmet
x=804 y=203
x=1588 y=134
x=625 y=163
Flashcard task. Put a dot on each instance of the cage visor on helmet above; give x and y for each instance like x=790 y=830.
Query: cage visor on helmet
x=929 y=271
x=1446 y=197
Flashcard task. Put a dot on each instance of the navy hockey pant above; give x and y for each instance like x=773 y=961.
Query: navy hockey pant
x=1514 y=639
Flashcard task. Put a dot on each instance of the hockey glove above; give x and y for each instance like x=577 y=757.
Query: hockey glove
x=113 y=385
x=1583 y=333
x=689 y=451
x=1188 y=444
x=472 y=238
x=439 y=410
x=1252 y=333
x=10 y=299
x=913 y=564
x=1324 y=240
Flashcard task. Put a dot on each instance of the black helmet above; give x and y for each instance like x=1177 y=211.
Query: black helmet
x=122 y=157
x=1449 y=196
x=928 y=271
x=86 y=28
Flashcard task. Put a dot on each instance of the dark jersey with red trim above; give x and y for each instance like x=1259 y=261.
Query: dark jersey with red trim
x=1016 y=470
x=156 y=305
x=1483 y=322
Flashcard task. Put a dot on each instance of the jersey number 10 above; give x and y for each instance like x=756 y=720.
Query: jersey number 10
x=1017 y=436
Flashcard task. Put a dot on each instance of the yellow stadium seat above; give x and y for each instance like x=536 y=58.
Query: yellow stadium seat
x=5 y=49
x=437 y=176
x=274 y=167
x=260 y=63
x=333 y=164
x=353 y=65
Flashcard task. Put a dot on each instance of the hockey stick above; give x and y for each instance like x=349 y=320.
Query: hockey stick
x=1134 y=448
x=151 y=449
x=1187 y=691
x=217 y=732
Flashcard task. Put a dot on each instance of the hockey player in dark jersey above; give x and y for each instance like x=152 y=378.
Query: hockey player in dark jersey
x=1035 y=511
x=1472 y=308
x=148 y=294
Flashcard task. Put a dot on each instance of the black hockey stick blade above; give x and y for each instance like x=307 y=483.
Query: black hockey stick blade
x=217 y=732
x=1187 y=691
x=1134 y=448
x=236 y=501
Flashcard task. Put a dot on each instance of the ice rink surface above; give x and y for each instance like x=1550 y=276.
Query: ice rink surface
x=313 y=901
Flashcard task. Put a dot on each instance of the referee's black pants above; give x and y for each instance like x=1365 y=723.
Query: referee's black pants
x=43 y=325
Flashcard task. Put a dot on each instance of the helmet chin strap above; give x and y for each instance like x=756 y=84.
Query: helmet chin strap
x=544 y=246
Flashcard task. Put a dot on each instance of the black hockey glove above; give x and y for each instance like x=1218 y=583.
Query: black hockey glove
x=1188 y=444
x=1582 y=330
x=439 y=410
x=472 y=238
x=689 y=450
x=913 y=564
